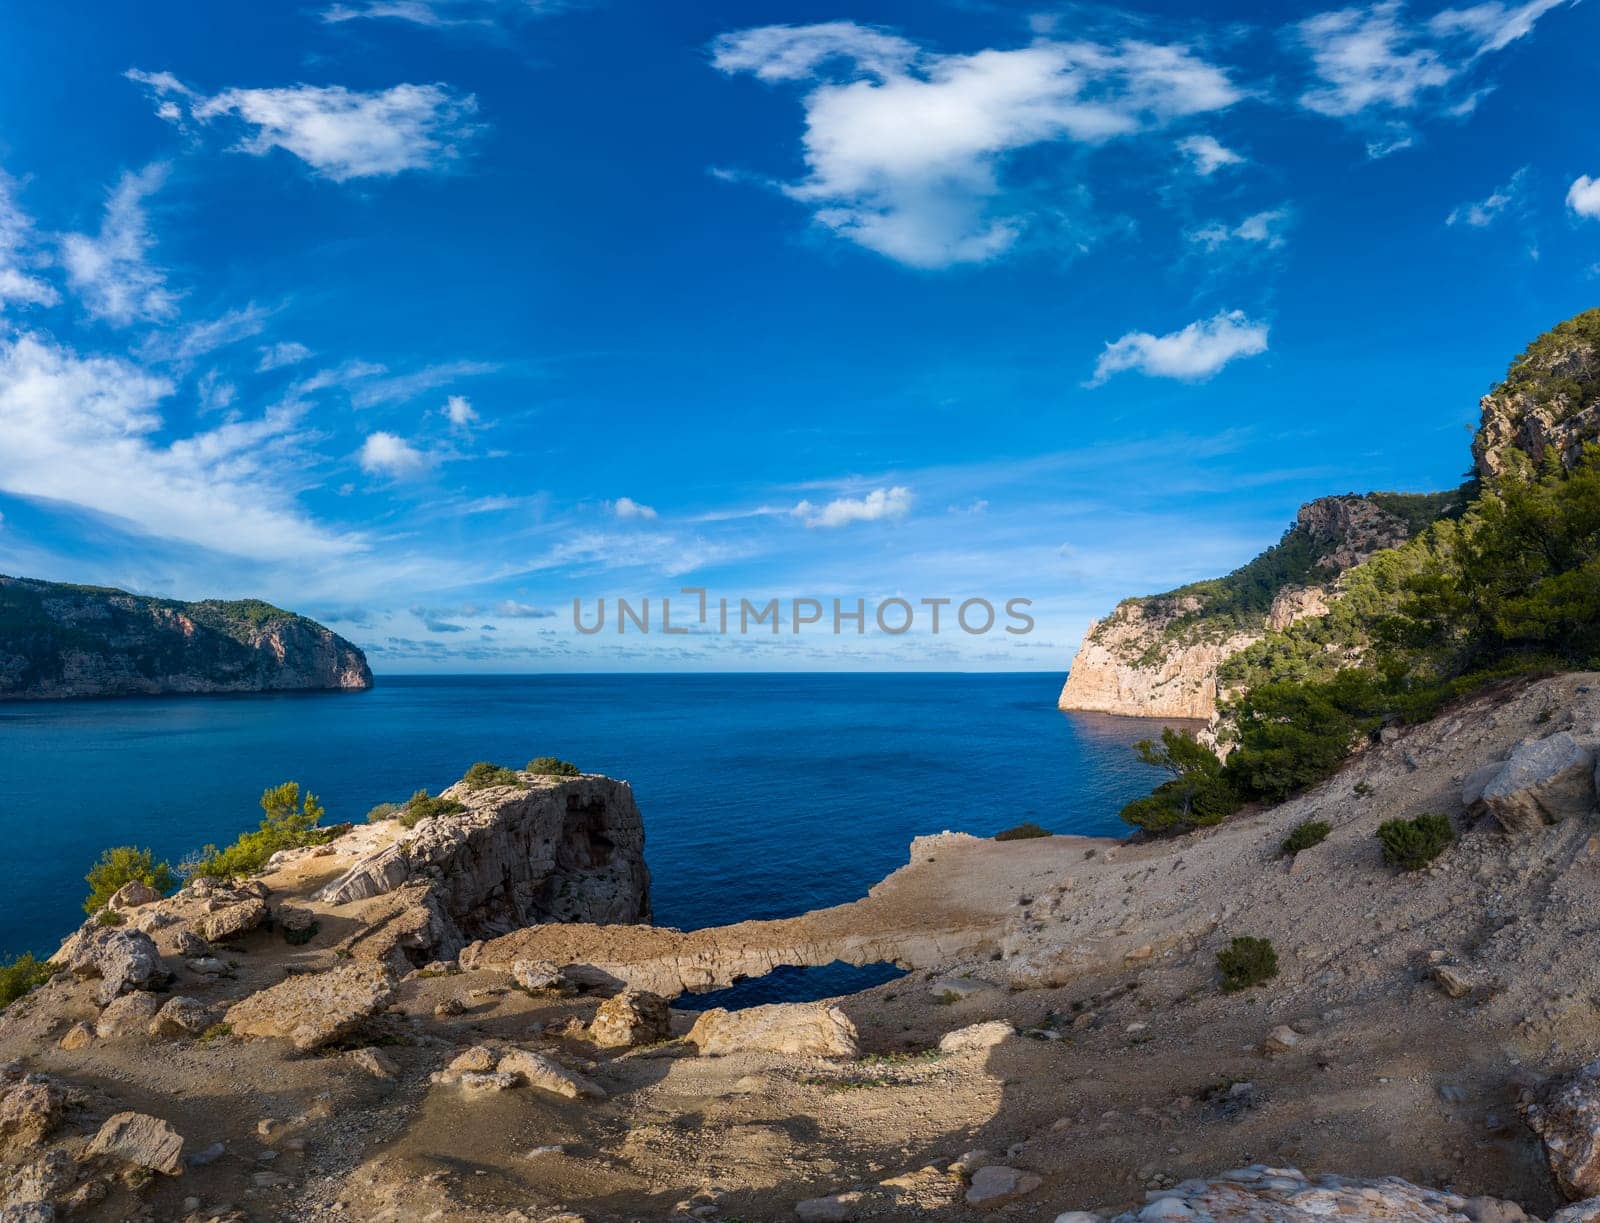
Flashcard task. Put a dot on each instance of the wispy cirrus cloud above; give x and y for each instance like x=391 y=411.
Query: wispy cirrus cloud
x=83 y=431
x=110 y=270
x=1377 y=66
x=1265 y=230
x=906 y=148
x=445 y=14
x=21 y=255
x=1480 y=214
x=1191 y=354
x=341 y=133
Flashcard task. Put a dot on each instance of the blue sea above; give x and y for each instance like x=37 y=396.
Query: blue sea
x=763 y=795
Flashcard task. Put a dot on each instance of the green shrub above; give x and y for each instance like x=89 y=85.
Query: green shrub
x=1198 y=794
x=287 y=823
x=1022 y=832
x=549 y=766
x=1412 y=844
x=22 y=975
x=484 y=774
x=422 y=806
x=125 y=864
x=1246 y=962
x=109 y=917
x=1304 y=836
x=383 y=811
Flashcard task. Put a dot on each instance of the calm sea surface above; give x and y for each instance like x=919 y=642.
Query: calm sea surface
x=763 y=795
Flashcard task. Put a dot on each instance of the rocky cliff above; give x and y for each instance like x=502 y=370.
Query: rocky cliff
x=59 y=640
x=1548 y=407
x=1158 y=656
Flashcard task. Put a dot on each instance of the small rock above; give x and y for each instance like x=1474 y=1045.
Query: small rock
x=78 y=1036
x=837 y=1208
x=449 y=1008
x=536 y=975
x=995 y=1185
x=1078 y=1216
x=372 y=1061
x=796 y=1028
x=976 y=1036
x=30 y=1106
x=133 y=895
x=478 y=1058
x=1452 y=981
x=1280 y=1040
x=205 y=1155
x=633 y=1017
x=481 y=1083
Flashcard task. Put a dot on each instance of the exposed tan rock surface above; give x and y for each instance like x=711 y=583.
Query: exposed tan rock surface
x=1088 y=1061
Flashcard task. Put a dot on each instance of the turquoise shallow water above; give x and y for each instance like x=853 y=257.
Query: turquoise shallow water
x=763 y=795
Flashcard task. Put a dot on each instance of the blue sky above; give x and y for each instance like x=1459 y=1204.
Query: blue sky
x=427 y=317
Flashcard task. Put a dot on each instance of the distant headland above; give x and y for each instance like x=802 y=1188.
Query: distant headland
x=59 y=640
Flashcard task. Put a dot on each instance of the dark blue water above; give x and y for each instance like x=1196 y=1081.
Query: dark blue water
x=763 y=795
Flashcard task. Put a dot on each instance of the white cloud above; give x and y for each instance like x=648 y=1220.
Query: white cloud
x=400 y=388
x=18 y=258
x=459 y=412
x=277 y=356
x=1208 y=154
x=1190 y=355
x=627 y=507
x=1583 y=197
x=880 y=504
x=904 y=147
x=1264 y=229
x=1374 y=58
x=108 y=271
x=1480 y=214
x=441 y=14
x=510 y=609
x=340 y=133
x=387 y=454
x=81 y=431
x=1493 y=26
x=198 y=339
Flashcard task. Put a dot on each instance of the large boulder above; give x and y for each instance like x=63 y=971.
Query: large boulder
x=232 y=920
x=127 y=1015
x=633 y=1017
x=374 y=875
x=1565 y=1112
x=813 y=1029
x=124 y=960
x=1544 y=782
x=141 y=1140
x=312 y=1010
x=179 y=1018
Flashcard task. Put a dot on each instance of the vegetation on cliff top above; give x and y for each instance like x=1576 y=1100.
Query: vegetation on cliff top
x=1511 y=587
x=287 y=822
x=121 y=865
x=44 y=625
x=1534 y=372
x=1240 y=601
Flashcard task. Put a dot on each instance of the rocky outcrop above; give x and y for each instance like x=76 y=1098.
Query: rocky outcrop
x=59 y=640
x=1262 y=1194
x=546 y=850
x=1548 y=406
x=141 y=1140
x=1158 y=656
x=313 y=1010
x=1565 y=1112
x=1544 y=782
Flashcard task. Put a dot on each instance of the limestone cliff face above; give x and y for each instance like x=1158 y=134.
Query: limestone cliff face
x=59 y=640
x=1549 y=404
x=1157 y=657
x=549 y=850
